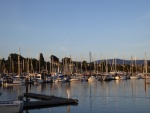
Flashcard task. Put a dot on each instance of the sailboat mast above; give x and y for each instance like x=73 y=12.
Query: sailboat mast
x=39 y=64
x=115 y=64
x=123 y=64
x=50 y=66
x=23 y=65
x=145 y=64
x=19 y=63
x=10 y=64
x=70 y=65
x=76 y=66
x=102 y=63
x=46 y=67
x=131 y=64
x=90 y=61
x=32 y=70
x=28 y=66
x=135 y=65
x=106 y=65
x=81 y=64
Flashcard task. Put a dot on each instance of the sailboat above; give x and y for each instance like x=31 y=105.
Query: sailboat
x=106 y=76
x=121 y=75
x=9 y=80
x=92 y=77
x=113 y=67
x=145 y=75
x=38 y=79
x=13 y=80
x=136 y=75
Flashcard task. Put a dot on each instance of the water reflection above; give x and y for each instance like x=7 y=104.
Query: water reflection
x=68 y=109
x=113 y=96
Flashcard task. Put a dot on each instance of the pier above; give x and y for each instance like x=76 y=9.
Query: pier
x=47 y=101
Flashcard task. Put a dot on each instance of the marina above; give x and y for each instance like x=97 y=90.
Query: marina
x=75 y=56
x=78 y=89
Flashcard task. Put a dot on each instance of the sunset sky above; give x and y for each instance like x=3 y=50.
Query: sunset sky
x=108 y=28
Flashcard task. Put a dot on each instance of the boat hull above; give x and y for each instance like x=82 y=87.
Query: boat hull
x=13 y=84
x=74 y=79
x=91 y=79
x=135 y=77
x=120 y=78
x=7 y=107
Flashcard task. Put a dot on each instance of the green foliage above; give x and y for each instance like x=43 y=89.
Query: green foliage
x=41 y=61
x=84 y=65
x=148 y=63
x=28 y=64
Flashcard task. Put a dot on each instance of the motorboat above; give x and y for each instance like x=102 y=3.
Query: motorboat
x=9 y=80
x=120 y=77
x=91 y=78
x=38 y=79
x=11 y=106
x=106 y=77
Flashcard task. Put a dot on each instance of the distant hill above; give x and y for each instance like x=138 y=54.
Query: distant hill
x=120 y=61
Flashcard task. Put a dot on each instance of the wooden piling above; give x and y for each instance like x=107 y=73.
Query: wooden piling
x=27 y=81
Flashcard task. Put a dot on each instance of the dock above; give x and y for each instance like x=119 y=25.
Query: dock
x=47 y=101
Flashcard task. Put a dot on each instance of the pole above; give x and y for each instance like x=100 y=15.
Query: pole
x=27 y=81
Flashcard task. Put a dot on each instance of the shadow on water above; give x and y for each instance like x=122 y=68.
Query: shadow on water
x=28 y=110
x=52 y=106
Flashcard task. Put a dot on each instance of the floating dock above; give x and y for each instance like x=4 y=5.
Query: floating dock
x=47 y=101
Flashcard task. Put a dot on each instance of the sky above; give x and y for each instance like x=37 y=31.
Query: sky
x=64 y=28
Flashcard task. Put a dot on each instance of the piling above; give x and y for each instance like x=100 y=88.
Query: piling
x=27 y=81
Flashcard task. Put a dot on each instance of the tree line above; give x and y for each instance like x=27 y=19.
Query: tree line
x=17 y=63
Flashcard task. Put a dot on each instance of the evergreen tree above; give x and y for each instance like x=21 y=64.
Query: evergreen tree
x=41 y=62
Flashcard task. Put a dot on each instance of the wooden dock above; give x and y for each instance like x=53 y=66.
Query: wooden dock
x=47 y=101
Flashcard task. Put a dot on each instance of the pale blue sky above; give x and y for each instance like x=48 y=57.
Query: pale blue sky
x=63 y=27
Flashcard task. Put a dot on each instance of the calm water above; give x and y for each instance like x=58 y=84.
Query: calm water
x=124 y=96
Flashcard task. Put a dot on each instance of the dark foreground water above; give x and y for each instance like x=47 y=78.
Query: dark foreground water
x=124 y=96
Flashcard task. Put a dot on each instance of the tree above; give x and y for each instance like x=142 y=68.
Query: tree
x=84 y=64
x=41 y=62
x=148 y=63
x=54 y=59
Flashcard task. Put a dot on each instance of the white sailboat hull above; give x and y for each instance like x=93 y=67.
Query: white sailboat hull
x=135 y=77
x=74 y=79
